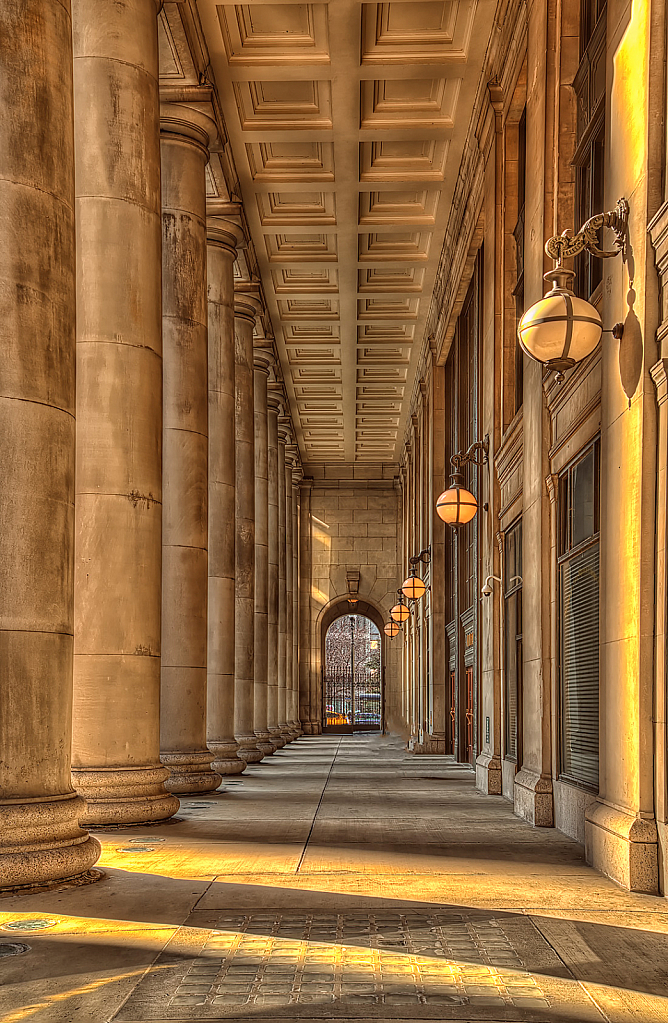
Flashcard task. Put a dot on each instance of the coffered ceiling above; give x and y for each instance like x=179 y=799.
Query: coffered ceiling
x=347 y=123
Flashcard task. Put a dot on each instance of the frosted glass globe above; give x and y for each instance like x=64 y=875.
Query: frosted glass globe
x=561 y=329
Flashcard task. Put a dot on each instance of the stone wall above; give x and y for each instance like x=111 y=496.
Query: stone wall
x=354 y=528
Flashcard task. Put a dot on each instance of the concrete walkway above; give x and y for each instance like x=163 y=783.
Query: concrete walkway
x=342 y=878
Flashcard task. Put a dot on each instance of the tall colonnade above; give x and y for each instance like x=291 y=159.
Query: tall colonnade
x=148 y=564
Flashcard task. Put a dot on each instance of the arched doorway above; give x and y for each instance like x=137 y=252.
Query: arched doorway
x=352 y=676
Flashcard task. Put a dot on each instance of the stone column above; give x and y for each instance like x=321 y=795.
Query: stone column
x=246 y=307
x=283 y=438
x=297 y=475
x=289 y=463
x=40 y=838
x=274 y=407
x=184 y=141
x=305 y=606
x=223 y=237
x=263 y=360
x=118 y=554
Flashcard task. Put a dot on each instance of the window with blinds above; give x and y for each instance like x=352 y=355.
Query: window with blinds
x=578 y=617
x=512 y=589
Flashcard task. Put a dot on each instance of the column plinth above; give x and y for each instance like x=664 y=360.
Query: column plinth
x=184 y=138
x=223 y=238
x=246 y=308
x=118 y=556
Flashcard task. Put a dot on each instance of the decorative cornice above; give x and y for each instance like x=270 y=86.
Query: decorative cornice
x=659 y=374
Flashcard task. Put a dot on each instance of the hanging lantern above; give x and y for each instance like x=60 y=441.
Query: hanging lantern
x=400 y=613
x=456 y=505
x=391 y=629
x=413 y=587
x=561 y=329
x=352 y=601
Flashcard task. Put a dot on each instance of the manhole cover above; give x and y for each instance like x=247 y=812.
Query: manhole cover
x=142 y=841
x=29 y=925
x=13 y=948
x=136 y=849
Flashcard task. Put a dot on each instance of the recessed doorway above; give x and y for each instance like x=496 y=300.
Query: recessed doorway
x=352 y=676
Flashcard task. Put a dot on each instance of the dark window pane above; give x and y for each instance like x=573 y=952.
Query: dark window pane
x=583 y=499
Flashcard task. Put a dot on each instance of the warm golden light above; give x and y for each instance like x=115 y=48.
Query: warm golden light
x=413 y=588
x=456 y=506
x=399 y=613
x=391 y=629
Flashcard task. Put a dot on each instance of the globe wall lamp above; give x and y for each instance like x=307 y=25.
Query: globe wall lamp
x=400 y=612
x=562 y=329
x=457 y=505
x=413 y=587
x=391 y=629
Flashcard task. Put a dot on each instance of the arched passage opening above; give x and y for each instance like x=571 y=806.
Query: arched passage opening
x=352 y=688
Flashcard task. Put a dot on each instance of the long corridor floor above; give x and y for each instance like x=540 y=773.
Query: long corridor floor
x=343 y=878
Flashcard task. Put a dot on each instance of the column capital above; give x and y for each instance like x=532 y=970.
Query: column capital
x=247 y=304
x=188 y=123
x=225 y=233
x=297 y=475
x=275 y=399
x=263 y=358
x=284 y=429
x=659 y=375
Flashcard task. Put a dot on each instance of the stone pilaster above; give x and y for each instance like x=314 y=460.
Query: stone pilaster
x=283 y=439
x=246 y=307
x=118 y=554
x=223 y=237
x=275 y=405
x=184 y=140
x=290 y=461
x=40 y=837
x=263 y=361
x=305 y=606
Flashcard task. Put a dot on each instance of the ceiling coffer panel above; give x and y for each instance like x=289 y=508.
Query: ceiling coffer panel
x=347 y=122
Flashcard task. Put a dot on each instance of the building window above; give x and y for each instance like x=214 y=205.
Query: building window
x=512 y=591
x=589 y=86
x=578 y=616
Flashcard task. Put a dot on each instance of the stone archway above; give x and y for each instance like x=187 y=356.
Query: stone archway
x=363 y=609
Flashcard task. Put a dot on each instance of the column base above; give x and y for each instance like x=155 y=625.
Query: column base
x=624 y=847
x=278 y=739
x=124 y=795
x=248 y=750
x=225 y=759
x=190 y=772
x=431 y=745
x=42 y=841
x=264 y=743
x=296 y=729
x=488 y=774
x=533 y=798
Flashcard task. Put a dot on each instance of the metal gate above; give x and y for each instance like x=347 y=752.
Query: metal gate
x=352 y=700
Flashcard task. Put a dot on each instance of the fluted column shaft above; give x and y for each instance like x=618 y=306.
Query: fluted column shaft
x=274 y=406
x=283 y=436
x=221 y=251
x=118 y=556
x=297 y=475
x=263 y=361
x=184 y=154
x=245 y=311
x=40 y=838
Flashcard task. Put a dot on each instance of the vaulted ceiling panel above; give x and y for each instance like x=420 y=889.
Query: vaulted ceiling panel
x=347 y=123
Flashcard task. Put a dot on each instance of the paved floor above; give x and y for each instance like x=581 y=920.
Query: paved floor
x=342 y=878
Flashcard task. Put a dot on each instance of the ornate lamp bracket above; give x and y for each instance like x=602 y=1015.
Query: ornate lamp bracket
x=423 y=557
x=477 y=453
x=563 y=246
